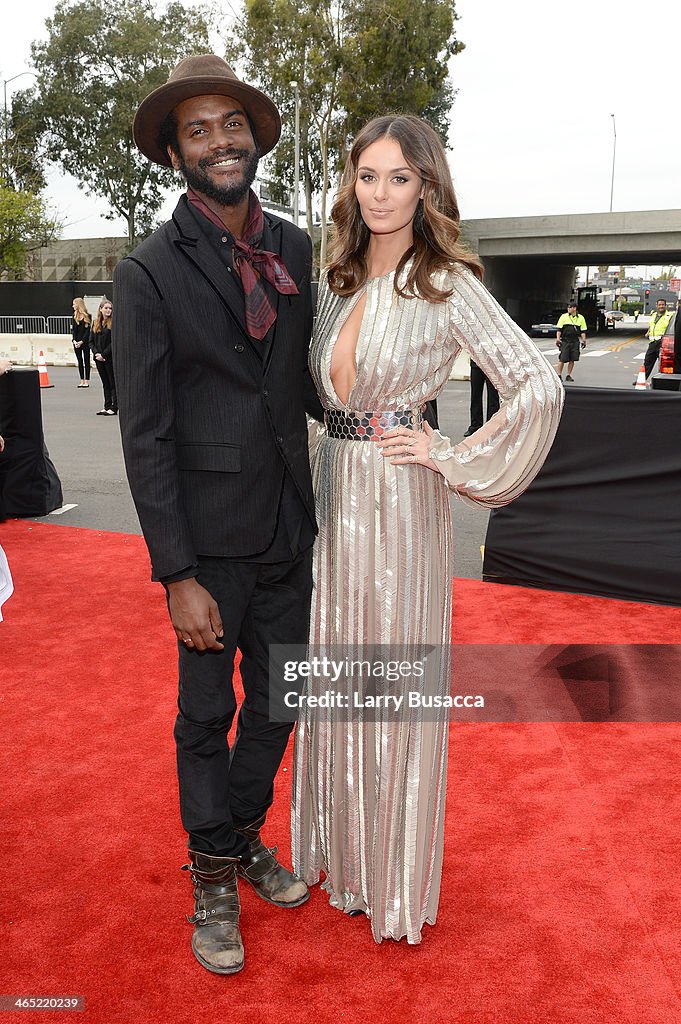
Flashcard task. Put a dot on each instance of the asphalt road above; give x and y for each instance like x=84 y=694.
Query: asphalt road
x=86 y=449
x=610 y=359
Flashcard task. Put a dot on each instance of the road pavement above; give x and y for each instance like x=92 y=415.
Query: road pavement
x=86 y=448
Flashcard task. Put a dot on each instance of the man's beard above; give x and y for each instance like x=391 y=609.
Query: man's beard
x=226 y=195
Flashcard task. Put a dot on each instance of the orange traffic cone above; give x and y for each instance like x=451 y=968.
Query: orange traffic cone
x=42 y=372
x=641 y=379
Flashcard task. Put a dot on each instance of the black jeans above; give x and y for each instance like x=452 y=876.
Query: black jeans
x=478 y=382
x=106 y=374
x=83 y=357
x=652 y=355
x=260 y=605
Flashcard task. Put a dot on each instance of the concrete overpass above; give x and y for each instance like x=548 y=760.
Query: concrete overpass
x=530 y=261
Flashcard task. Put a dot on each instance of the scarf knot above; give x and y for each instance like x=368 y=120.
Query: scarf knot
x=252 y=264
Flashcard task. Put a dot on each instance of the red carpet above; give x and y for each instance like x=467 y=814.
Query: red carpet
x=561 y=894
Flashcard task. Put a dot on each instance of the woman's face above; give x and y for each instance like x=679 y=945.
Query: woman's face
x=387 y=188
x=107 y=309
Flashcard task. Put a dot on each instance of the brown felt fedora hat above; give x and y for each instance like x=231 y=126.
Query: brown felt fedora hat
x=203 y=74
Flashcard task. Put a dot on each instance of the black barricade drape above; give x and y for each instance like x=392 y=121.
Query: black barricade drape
x=604 y=515
x=29 y=483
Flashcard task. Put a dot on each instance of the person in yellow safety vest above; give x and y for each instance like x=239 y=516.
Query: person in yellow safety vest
x=659 y=322
x=570 y=337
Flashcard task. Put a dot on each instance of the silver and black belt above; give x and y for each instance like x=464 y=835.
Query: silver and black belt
x=362 y=426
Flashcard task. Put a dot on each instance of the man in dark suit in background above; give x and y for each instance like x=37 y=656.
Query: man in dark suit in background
x=211 y=327
x=478 y=384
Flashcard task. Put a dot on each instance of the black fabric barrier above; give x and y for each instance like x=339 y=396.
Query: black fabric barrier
x=604 y=515
x=29 y=483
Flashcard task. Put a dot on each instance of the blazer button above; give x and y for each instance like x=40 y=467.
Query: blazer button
x=280 y=440
x=238 y=348
x=265 y=393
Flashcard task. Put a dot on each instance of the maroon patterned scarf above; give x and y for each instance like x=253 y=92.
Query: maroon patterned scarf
x=250 y=263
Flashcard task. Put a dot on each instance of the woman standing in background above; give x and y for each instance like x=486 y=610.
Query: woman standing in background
x=80 y=335
x=100 y=339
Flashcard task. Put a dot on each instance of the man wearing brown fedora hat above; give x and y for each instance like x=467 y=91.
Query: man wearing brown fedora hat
x=212 y=322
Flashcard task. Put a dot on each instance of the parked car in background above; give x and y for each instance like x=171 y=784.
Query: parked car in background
x=613 y=316
x=543 y=329
x=668 y=378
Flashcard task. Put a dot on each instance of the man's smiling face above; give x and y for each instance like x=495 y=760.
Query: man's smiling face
x=217 y=152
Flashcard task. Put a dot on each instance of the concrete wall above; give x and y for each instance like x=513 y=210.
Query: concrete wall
x=23 y=349
x=644 y=236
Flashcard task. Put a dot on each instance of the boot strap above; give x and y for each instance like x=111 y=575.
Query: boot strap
x=252 y=830
x=220 y=879
x=263 y=861
x=209 y=907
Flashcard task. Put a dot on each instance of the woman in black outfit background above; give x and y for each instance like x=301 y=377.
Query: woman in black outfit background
x=80 y=335
x=100 y=340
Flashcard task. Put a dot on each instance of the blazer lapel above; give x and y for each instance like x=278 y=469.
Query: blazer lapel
x=198 y=249
x=271 y=241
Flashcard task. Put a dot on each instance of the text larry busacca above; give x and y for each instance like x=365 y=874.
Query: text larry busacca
x=414 y=699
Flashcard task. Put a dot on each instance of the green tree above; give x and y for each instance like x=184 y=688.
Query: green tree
x=26 y=223
x=395 y=59
x=352 y=60
x=97 y=64
x=309 y=52
x=22 y=163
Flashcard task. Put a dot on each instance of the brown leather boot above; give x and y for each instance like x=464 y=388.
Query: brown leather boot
x=216 y=941
x=270 y=880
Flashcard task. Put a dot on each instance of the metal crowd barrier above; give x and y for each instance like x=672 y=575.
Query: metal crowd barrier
x=29 y=324
x=23 y=325
x=59 y=324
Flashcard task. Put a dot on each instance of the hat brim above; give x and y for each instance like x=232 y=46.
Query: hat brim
x=154 y=109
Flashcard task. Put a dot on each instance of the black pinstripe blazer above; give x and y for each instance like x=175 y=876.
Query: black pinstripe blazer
x=209 y=423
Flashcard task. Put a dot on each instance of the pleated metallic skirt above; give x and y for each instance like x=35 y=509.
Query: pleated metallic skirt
x=369 y=796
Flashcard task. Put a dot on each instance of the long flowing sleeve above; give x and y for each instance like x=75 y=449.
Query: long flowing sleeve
x=498 y=462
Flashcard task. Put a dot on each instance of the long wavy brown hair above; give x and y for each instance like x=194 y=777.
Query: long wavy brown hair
x=80 y=313
x=101 y=321
x=436 y=221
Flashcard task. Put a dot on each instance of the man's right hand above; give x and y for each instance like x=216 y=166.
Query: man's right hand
x=195 y=616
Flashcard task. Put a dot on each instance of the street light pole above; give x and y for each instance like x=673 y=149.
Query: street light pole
x=614 y=146
x=296 y=169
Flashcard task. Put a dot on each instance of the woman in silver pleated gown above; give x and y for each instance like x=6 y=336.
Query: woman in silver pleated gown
x=369 y=796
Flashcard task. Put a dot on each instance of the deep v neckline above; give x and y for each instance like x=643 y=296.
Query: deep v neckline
x=341 y=321
x=352 y=305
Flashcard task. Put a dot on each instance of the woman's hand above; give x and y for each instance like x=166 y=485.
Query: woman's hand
x=100 y=358
x=406 y=447
x=78 y=344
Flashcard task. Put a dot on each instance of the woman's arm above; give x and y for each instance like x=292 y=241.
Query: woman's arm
x=498 y=462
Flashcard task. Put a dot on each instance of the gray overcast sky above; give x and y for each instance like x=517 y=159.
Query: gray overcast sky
x=531 y=126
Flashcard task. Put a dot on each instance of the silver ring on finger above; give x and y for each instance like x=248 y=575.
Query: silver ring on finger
x=187 y=640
